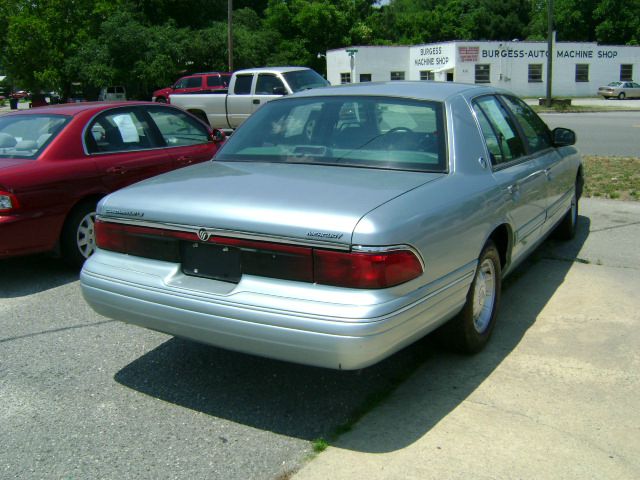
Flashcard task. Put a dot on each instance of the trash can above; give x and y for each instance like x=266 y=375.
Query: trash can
x=13 y=103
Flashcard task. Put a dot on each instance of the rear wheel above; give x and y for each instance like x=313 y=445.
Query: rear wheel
x=566 y=229
x=78 y=235
x=471 y=329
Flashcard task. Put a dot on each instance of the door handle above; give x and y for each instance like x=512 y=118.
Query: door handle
x=117 y=170
x=547 y=172
x=513 y=189
x=256 y=101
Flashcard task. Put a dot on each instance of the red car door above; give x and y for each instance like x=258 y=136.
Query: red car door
x=125 y=148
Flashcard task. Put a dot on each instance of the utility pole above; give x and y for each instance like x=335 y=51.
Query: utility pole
x=230 y=33
x=549 y=50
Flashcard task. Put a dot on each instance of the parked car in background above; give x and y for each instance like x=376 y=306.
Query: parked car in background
x=249 y=89
x=338 y=225
x=620 y=90
x=113 y=93
x=196 y=83
x=57 y=162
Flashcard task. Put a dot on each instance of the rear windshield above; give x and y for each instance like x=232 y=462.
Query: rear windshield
x=364 y=131
x=26 y=136
x=304 y=80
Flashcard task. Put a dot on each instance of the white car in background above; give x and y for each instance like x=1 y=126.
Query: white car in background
x=113 y=93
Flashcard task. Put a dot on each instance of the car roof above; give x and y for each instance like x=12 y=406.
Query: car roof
x=423 y=90
x=77 y=108
x=271 y=69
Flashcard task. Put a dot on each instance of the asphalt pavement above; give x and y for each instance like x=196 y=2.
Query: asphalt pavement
x=556 y=393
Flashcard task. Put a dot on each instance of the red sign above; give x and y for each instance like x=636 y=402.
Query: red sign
x=468 y=54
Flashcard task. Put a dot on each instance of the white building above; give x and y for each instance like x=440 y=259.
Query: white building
x=578 y=68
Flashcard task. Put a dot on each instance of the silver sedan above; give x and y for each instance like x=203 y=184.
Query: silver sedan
x=337 y=226
x=620 y=90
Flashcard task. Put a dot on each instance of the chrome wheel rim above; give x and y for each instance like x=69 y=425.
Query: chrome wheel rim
x=85 y=236
x=484 y=295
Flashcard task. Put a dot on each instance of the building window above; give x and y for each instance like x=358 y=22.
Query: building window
x=626 y=73
x=535 y=73
x=427 y=75
x=483 y=73
x=365 y=77
x=397 y=75
x=345 y=78
x=582 y=72
x=449 y=76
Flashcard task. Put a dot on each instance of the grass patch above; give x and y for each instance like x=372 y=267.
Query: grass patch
x=616 y=178
x=580 y=108
x=319 y=445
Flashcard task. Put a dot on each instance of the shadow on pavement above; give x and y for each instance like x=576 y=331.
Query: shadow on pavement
x=309 y=403
x=33 y=274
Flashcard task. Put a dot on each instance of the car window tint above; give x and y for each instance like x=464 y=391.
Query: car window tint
x=266 y=83
x=118 y=131
x=243 y=85
x=177 y=128
x=26 y=136
x=491 y=137
x=182 y=83
x=214 y=81
x=193 y=82
x=536 y=133
x=372 y=132
x=505 y=133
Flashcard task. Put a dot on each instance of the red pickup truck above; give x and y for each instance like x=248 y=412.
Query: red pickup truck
x=195 y=83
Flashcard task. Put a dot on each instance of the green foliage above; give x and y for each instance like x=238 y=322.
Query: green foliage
x=147 y=44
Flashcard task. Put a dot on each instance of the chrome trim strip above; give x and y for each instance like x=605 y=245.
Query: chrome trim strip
x=390 y=248
x=225 y=233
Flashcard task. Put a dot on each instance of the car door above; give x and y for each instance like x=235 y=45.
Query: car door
x=559 y=173
x=125 y=147
x=520 y=176
x=634 y=90
x=266 y=85
x=186 y=139
x=240 y=102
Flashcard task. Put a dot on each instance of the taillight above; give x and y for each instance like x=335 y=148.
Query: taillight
x=275 y=260
x=365 y=270
x=8 y=202
x=139 y=241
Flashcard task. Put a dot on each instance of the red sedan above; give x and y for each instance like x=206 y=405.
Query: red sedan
x=57 y=162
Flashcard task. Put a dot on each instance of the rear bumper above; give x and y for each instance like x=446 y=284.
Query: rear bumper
x=339 y=334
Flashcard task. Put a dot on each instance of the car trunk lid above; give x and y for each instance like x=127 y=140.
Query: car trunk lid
x=305 y=203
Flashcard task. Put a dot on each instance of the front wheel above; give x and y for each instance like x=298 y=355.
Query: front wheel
x=621 y=96
x=161 y=100
x=78 y=240
x=471 y=329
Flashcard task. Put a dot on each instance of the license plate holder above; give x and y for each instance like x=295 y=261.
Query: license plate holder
x=217 y=262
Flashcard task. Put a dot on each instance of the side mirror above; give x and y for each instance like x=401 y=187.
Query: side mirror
x=279 y=91
x=218 y=136
x=563 y=137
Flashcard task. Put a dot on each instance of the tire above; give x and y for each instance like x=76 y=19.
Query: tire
x=78 y=236
x=471 y=329
x=621 y=96
x=161 y=100
x=566 y=229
